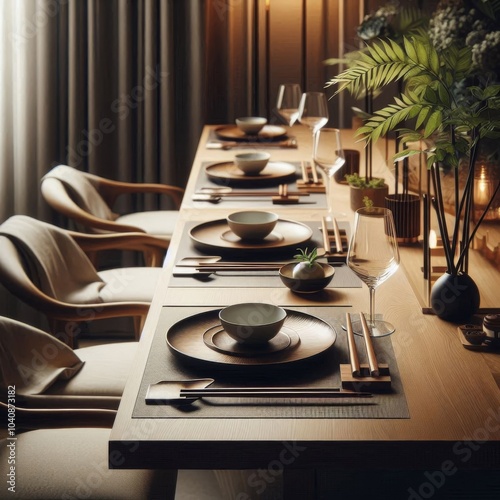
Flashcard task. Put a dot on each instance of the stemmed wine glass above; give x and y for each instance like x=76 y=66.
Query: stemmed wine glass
x=329 y=156
x=288 y=101
x=374 y=256
x=313 y=110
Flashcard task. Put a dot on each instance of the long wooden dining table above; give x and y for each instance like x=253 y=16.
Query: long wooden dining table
x=450 y=397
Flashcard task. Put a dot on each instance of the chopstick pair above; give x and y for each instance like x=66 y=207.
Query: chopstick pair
x=339 y=244
x=274 y=392
x=370 y=351
x=310 y=183
x=282 y=191
x=373 y=376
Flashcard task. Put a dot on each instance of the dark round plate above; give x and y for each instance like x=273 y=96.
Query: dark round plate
x=268 y=133
x=186 y=341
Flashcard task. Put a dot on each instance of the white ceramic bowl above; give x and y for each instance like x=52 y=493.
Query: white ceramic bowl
x=251 y=125
x=252 y=224
x=252 y=322
x=252 y=163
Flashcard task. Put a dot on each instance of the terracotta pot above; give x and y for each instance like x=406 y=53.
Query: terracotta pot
x=377 y=195
x=455 y=297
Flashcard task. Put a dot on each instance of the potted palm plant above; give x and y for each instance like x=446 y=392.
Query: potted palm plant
x=448 y=100
x=389 y=21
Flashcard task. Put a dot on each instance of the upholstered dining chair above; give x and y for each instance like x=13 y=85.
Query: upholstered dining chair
x=72 y=461
x=88 y=200
x=46 y=373
x=45 y=267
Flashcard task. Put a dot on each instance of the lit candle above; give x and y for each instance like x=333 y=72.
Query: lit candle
x=482 y=191
x=432 y=239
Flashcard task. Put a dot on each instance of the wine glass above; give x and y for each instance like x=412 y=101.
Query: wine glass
x=313 y=110
x=329 y=156
x=288 y=101
x=374 y=256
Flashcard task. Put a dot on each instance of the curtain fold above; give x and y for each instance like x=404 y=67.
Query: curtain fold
x=91 y=83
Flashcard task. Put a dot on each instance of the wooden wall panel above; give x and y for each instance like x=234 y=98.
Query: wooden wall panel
x=254 y=45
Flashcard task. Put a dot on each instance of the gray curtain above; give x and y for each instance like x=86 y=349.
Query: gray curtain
x=91 y=83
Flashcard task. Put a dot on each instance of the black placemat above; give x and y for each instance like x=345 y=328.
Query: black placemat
x=322 y=371
x=343 y=278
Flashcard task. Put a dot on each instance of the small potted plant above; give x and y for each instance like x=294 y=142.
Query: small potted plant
x=306 y=274
x=374 y=188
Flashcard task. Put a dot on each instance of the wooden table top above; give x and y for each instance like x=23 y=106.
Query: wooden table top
x=452 y=394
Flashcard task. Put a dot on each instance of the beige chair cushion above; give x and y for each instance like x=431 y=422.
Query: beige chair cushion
x=155 y=222
x=48 y=373
x=73 y=463
x=129 y=284
x=104 y=373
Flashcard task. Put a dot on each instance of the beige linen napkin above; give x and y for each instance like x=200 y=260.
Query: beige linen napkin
x=32 y=360
x=56 y=261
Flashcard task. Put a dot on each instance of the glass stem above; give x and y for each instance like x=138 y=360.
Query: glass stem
x=330 y=181
x=371 y=320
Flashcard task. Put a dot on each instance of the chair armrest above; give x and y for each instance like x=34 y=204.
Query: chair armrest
x=123 y=241
x=153 y=247
x=110 y=190
x=57 y=197
x=15 y=279
x=52 y=418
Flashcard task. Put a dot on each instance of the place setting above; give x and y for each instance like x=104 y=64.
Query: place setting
x=260 y=249
x=253 y=177
x=259 y=359
x=250 y=131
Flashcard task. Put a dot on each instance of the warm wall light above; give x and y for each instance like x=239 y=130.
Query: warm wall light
x=485 y=181
x=482 y=188
x=432 y=239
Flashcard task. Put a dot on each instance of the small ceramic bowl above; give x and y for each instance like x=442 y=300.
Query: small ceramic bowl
x=252 y=224
x=252 y=322
x=251 y=125
x=307 y=285
x=252 y=163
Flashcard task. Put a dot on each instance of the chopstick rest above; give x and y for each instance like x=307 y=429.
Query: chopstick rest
x=373 y=376
x=310 y=181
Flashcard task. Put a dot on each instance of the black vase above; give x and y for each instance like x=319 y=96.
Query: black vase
x=455 y=297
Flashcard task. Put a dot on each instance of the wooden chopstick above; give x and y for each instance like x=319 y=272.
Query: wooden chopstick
x=261 y=194
x=326 y=239
x=353 y=352
x=236 y=268
x=314 y=173
x=305 y=175
x=228 y=263
x=239 y=264
x=372 y=359
x=338 y=239
x=267 y=393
